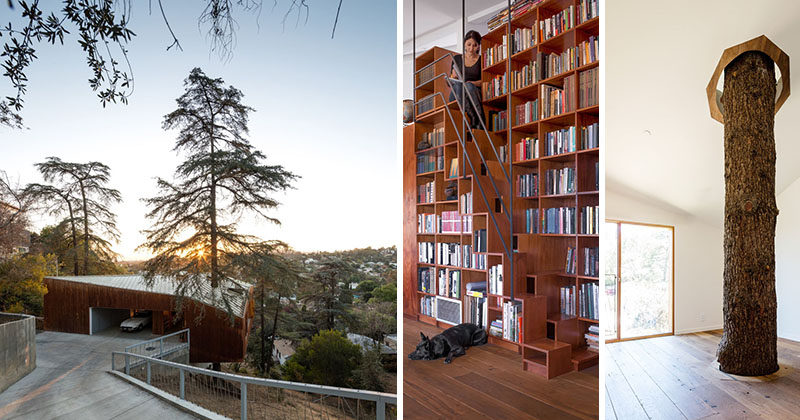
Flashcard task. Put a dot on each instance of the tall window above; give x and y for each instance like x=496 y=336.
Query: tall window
x=638 y=280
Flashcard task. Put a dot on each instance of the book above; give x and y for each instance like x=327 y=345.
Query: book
x=559 y=141
x=495 y=87
x=591 y=261
x=498 y=120
x=425 y=279
x=559 y=220
x=590 y=216
x=532 y=220
x=526 y=149
x=431 y=160
x=559 y=181
x=453 y=168
x=426 y=193
x=557 y=24
x=590 y=136
x=496 y=279
x=589 y=88
x=426 y=251
x=526 y=113
x=572 y=260
x=527 y=185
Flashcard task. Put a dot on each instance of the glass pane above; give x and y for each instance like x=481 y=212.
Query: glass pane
x=646 y=281
x=609 y=247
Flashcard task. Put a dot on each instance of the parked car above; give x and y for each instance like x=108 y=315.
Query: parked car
x=137 y=322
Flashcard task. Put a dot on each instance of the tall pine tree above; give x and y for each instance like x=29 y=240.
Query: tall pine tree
x=194 y=236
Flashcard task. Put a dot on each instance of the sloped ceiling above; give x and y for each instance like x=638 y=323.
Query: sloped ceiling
x=435 y=14
x=662 y=145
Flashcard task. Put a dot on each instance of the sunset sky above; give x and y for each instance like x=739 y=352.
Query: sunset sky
x=325 y=110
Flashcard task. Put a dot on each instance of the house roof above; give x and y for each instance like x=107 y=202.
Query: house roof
x=365 y=341
x=233 y=295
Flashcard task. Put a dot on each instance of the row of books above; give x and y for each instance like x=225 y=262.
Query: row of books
x=554 y=64
x=568 y=300
x=465 y=203
x=588 y=301
x=523 y=38
x=450 y=222
x=526 y=149
x=426 y=252
x=432 y=160
x=587 y=51
x=503 y=152
x=496 y=279
x=498 y=120
x=495 y=87
x=475 y=309
x=425 y=279
x=558 y=100
x=472 y=260
x=590 y=136
x=512 y=321
x=495 y=54
x=450 y=283
x=591 y=261
x=449 y=253
x=434 y=137
x=526 y=75
x=559 y=220
x=426 y=306
x=427 y=223
x=527 y=112
x=593 y=338
x=572 y=260
x=587 y=10
x=589 y=87
x=532 y=220
x=559 y=181
x=590 y=219
x=557 y=24
x=426 y=193
x=528 y=185
x=559 y=141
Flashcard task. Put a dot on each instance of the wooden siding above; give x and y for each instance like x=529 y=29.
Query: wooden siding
x=214 y=337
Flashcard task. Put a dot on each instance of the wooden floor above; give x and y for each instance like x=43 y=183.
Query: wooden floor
x=488 y=382
x=677 y=377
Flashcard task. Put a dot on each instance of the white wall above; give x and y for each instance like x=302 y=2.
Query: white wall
x=787 y=263
x=698 y=258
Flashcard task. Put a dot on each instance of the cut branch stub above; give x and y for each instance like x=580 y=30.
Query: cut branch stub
x=762 y=44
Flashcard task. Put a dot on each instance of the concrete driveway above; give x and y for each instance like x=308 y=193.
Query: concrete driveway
x=71 y=381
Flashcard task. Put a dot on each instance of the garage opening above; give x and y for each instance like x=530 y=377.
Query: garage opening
x=103 y=318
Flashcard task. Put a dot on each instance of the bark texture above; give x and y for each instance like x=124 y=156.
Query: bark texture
x=749 y=341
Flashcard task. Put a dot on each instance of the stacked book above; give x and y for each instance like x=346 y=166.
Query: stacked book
x=528 y=185
x=527 y=112
x=532 y=220
x=568 y=300
x=496 y=279
x=572 y=260
x=518 y=8
x=588 y=300
x=426 y=252
x=590 y=136
x=559 y=220
x=593 y=338
x=526 y=149
x=496 y=327
x=426 y=193
x=512 y=321
x=591 y=262
x=425 y=279
x=590 y=219
x=559 y=181
x=559 y=141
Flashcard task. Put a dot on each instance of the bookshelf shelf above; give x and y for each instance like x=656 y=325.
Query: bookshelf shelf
x=549 y=342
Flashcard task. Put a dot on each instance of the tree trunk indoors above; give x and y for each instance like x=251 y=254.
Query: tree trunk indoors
x=749 y=341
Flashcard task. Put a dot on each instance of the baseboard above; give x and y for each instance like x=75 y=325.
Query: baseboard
x=698 y=329
x=790 y=335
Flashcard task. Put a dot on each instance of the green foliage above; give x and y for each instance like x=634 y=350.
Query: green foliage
x=375 y=319
x=326 y=291
x=370 y=373
x=328 y=359
x=21 y=286
x=386 y=293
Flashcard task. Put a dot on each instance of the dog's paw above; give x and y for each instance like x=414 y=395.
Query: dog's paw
x=447 y=361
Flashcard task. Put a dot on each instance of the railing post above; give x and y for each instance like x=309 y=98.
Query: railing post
x=243 y=397
x=127 y=364
x=112 y=361
x=381 y=409
x=183 y=394
x=161 y=352
x=148 y=371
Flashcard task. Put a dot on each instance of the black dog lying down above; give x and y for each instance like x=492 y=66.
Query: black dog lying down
x=450 y=343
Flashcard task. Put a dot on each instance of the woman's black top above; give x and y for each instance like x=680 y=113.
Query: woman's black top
x=472 y=73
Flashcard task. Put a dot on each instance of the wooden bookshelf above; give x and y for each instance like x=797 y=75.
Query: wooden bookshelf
x=549 y=341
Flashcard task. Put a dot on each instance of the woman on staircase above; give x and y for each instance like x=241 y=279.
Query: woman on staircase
x=471 y=62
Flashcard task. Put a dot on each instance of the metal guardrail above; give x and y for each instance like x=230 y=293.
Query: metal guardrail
x=257 y=397
x=162 y=346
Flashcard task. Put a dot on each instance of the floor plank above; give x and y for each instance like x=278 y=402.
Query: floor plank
x=489 y=382
x=656 y=377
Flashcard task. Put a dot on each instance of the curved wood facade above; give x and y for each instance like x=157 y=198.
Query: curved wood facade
x=214 y=336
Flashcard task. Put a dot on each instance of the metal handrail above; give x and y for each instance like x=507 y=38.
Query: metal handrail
x=380 y=398
x=161 y=339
